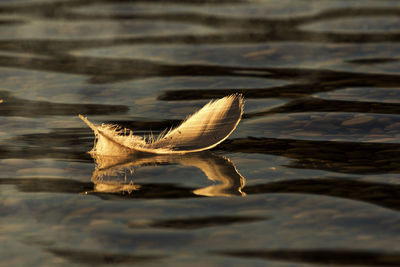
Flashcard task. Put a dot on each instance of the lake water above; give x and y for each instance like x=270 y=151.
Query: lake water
x=311 y=176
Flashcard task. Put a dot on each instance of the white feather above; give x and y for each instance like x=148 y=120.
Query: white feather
x=205 y=129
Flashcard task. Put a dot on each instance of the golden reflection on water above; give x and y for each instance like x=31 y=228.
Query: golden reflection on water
x=109 y=170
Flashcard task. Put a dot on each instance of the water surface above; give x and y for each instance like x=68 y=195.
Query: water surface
x=310 y=177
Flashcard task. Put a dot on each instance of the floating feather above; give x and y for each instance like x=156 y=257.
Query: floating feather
x=203 y=130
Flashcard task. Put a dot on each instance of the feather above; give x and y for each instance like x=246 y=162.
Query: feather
x=203 y=130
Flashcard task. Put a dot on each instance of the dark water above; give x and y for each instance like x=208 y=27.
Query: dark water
x=311 y=176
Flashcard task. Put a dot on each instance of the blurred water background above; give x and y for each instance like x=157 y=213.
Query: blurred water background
x=311 y=176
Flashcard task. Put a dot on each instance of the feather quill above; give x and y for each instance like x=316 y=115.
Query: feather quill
x=203 y=130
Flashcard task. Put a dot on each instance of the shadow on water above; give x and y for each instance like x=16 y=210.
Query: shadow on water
x=345 y=157
x=95 y=258
x=370 y=61
x=346 y=257
x=200 y=222
x=318 y=81
x=375 y=193
x=323 y=105
x=12 y=106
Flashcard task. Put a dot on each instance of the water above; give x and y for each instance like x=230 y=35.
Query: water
x=311 y=176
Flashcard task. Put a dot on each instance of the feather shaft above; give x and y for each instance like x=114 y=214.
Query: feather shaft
x=203 y=130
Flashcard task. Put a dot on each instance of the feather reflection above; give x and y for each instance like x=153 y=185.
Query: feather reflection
x=115 y=174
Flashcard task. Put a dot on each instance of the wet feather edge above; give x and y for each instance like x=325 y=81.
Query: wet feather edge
x=165 y=133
